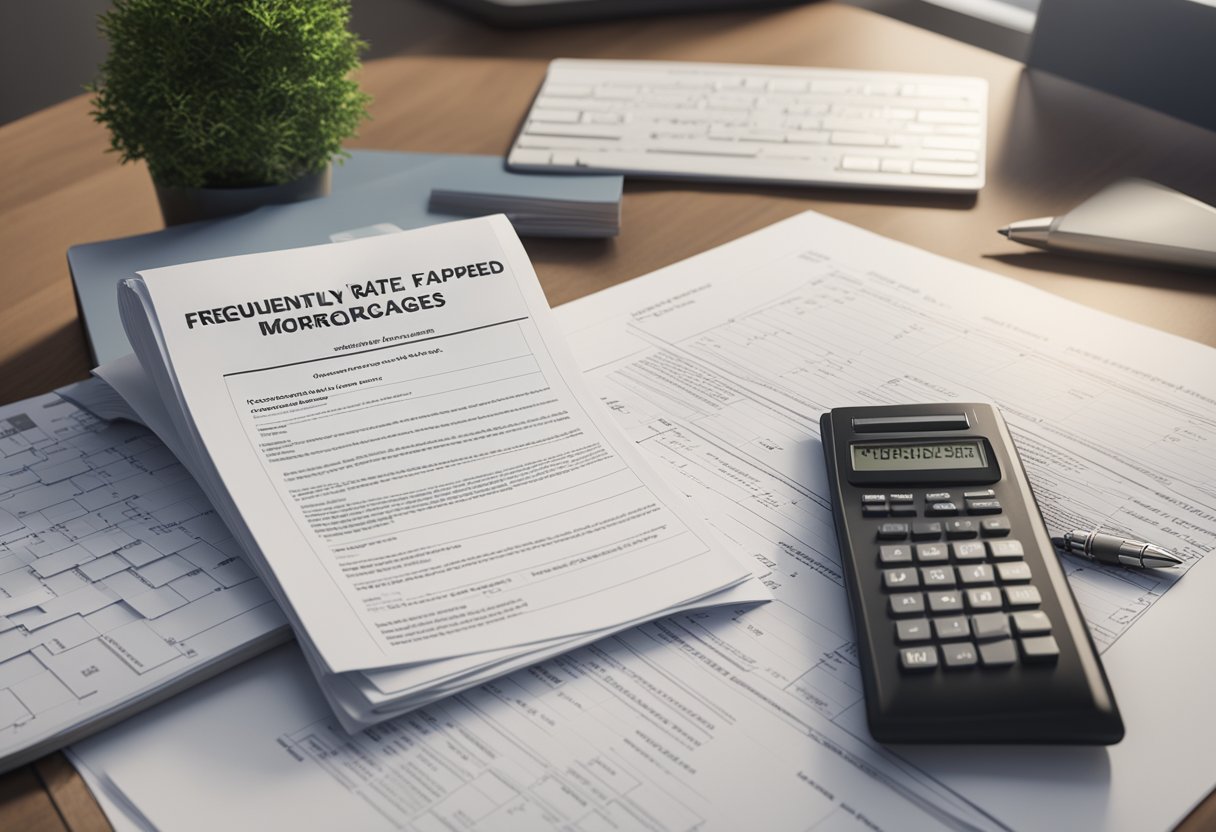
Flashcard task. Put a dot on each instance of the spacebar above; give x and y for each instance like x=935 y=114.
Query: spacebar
x=688 y=164
x=702 y=149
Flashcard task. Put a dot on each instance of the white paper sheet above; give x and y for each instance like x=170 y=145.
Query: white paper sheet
x=421 y=474
x=719 y=368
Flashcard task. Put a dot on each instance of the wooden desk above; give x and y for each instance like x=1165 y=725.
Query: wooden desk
x=457 y=86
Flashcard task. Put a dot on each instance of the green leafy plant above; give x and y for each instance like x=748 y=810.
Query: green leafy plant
x=229 y=93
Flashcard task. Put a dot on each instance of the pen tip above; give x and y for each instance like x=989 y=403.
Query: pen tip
x=1004 y=232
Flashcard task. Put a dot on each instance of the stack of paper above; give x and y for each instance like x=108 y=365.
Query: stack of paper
x=586 y=211
x=118 y=584
x=402 y=446
x=718 y=368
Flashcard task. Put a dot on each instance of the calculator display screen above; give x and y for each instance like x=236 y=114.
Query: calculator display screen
x=914 y=457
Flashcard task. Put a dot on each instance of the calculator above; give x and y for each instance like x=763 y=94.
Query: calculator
x=967 y=630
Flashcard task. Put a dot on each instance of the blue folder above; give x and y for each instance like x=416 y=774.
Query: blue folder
x=371 y=188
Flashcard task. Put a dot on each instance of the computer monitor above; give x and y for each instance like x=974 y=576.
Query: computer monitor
x=1160 y=53
x=545 y=12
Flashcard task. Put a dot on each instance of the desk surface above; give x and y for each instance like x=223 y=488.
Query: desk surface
x=457 y=86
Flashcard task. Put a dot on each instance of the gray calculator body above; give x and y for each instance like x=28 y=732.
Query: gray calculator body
x=967 y=630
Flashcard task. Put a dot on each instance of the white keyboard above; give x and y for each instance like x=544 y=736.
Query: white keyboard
x=768 y=124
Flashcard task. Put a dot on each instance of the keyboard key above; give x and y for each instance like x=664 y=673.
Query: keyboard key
x=947 y=117
x=918 y=658
x=1022 y=596
x=900 y=510
x=1013 y=572
x=562 y=116
x=978 y=573
x=914 y=629
x=893 y=531
x=940 y=509
x=937 y=575
x=931 y=530
x=930 y=552
x=900 y=497
x=945 y=168
x=995 y=526
x=873 y=498
x=982 y=494
x=984 y=599
x=859 y=140
x=946 y=601
x=939 y=497
x=899 y=578
x=983 y=506
x=959 y=655
x=1006 y=549
x=961 y=529
x=912 y=603
x=861 y=163
x=954 y=627
x=896 y=165
x=1040 y=649
x=998 y=653
x=990 y=625
x=874 y=510
x=1031 y=623
x=972 y=550
x=894 y=554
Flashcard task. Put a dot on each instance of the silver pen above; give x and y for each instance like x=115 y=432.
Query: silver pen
x=1115 y=551
x=1131 y=219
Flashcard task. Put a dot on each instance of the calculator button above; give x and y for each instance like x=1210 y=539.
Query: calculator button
x=874 y=510
x=976 y=573
x=938 y=497
x=937 y=575
x=930 y=552
x=948 y=601
x=918 y=658
x=914 y=629
x=995 y=527
x=984 y=599
x=954 y=627
x=1022 y=596
x=957 y=529
x=959 y=655
x=1014 y=571
x=940 y=509
x=873 y=498
x=968 y=551
x=1031 y=623
x=901 y=497
x=983 y=507
x=913 y=603
x=931 y=530
x=899 y=578
x=895 y=554
x=983 y=494
x=1005 y=549
x=901 y=510
x=990 y=625
x=998 y=653
x=892 y=531
x=1040 y=649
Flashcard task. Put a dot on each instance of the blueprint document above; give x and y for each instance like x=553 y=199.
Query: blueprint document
x=718 y=368
x=117 y=581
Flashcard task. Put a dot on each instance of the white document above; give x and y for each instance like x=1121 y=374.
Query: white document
x=412 y=451
x=753 y=718
x=117 y=583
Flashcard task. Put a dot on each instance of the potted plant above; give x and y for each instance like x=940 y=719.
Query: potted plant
x=233 y=103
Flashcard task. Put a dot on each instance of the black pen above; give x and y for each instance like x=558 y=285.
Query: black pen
x=1115 y=551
